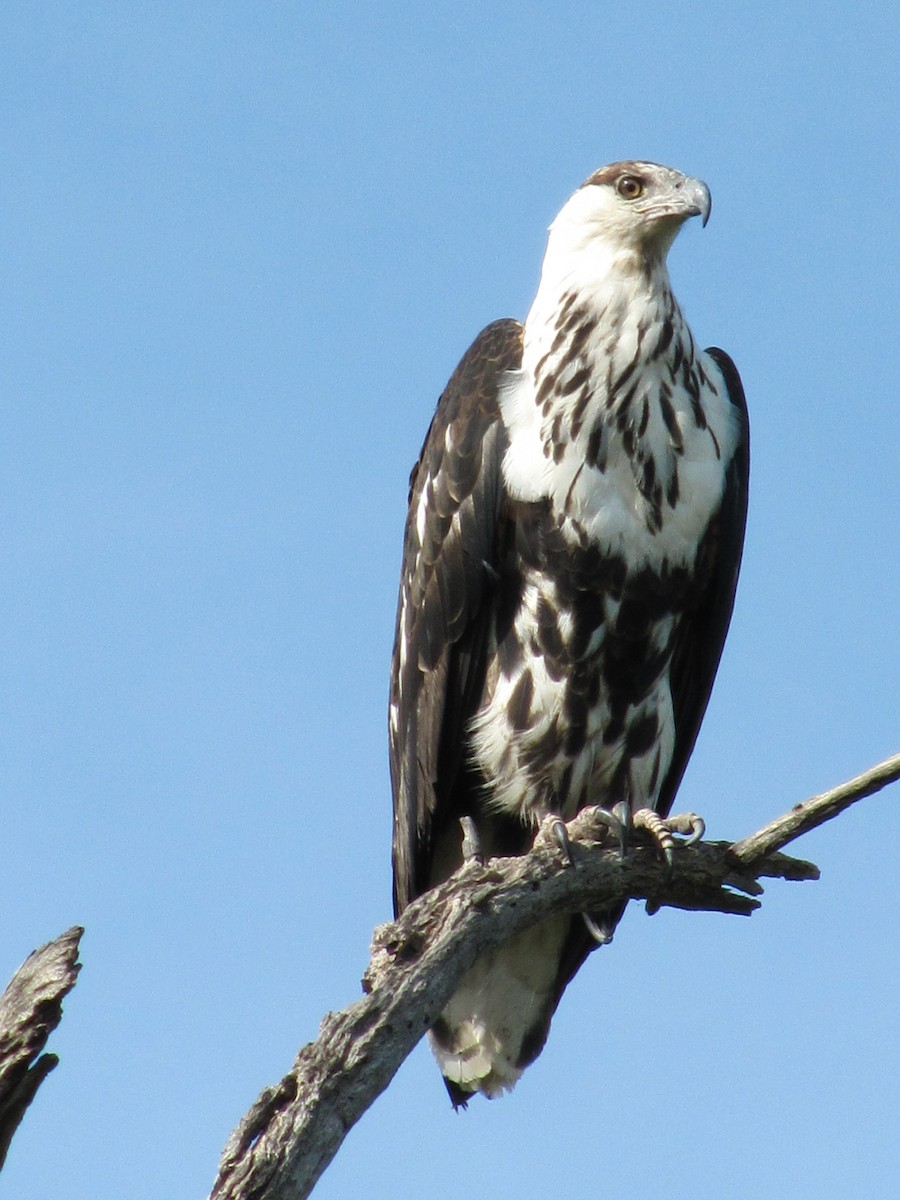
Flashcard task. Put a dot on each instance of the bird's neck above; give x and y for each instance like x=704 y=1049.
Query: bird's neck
x=586 y=422
x=608 y=306
x=598 y=266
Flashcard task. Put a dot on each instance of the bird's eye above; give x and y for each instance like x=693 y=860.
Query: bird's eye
x=629 y=187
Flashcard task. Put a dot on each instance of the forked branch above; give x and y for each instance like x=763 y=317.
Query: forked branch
x=294 y=1129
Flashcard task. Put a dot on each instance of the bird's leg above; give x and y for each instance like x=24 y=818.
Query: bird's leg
x=662 y=829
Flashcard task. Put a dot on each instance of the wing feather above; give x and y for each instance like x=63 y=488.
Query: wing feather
x=448 y=570
x=702 y=634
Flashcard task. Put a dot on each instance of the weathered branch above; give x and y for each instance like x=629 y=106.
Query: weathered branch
x=30 y=1009
x=293 y=1130
x=816 y=811
x=291 y=1133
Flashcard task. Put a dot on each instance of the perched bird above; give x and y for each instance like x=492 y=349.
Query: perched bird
x=575 y=526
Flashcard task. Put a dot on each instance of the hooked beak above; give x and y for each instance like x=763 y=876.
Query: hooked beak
x=697 y=199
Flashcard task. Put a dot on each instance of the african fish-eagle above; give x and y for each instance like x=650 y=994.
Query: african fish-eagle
x=574 y=534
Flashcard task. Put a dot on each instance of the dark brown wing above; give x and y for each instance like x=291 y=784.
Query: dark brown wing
x=447 y=574
x=702 y=633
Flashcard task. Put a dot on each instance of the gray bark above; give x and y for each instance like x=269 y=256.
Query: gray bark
x=30 y=1009
x=294 y=1129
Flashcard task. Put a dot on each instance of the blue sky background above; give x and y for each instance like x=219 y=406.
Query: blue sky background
x=243 y=247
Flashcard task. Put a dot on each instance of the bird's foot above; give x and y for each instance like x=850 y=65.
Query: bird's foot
x=663 y=829
x=614 y=820
x=554 y=831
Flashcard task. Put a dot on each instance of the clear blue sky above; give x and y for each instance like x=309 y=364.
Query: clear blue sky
x=244 y=244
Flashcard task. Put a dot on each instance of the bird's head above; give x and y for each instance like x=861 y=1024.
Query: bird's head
x=628 y=212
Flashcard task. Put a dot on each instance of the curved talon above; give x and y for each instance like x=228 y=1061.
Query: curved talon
x=562 y=836
x=622 y=813
x=614 y=823
x=666 y=847
x=554 y=828
x=661 y=832
x=600 y=936
x=661 y=829
x=698 y=829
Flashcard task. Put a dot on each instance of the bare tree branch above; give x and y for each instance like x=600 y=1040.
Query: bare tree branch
x=291 y=1133
x=30 y=1009
x=816 y=811
x=294 y=1129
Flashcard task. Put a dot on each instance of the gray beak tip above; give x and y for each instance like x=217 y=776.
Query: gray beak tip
x=705 y=203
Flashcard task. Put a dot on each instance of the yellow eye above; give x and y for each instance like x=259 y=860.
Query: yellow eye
x=629 y=187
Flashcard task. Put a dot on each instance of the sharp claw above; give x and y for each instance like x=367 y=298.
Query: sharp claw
x=622 y=813
x=661 y=830
x=600 y=936
x=687 y=824
x=612 y=819
x=553 y=830
x=561 y=834
x=698 y=829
